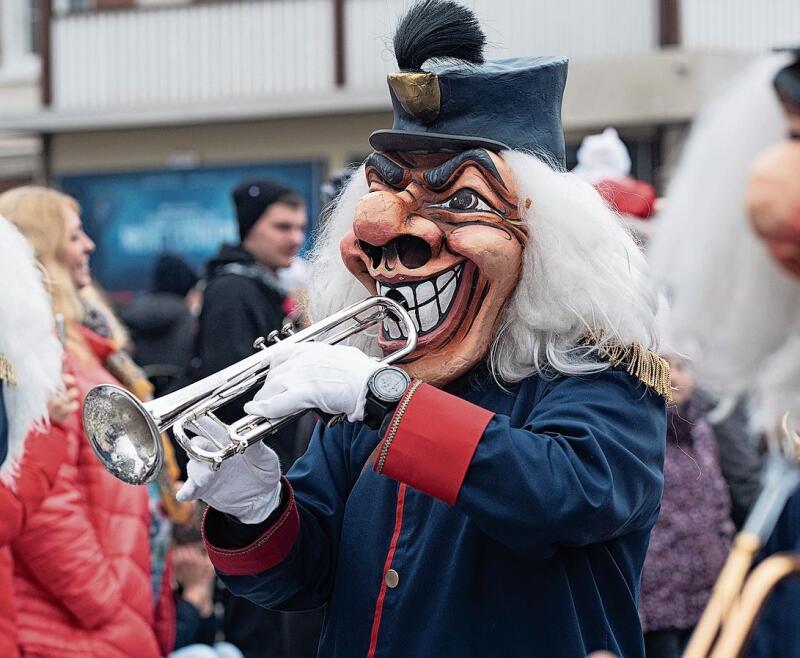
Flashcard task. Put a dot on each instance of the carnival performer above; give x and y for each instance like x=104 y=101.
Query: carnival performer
x=727 y=249
x=504 y=504
x=34 y=402
x=82 y=561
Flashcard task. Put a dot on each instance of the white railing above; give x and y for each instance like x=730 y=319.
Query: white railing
x=739 y=25
x=182 y=55
x=273 y=49
x=226 y=53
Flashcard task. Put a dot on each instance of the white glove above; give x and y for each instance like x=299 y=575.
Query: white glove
x=331 y=378
x=247 y=486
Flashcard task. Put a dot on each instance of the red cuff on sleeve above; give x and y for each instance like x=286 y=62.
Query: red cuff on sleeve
x=268 y=550
x=431 y=440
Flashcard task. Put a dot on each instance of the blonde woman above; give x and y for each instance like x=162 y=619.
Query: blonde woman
x=94 y=597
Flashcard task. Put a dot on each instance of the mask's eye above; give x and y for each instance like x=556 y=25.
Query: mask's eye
x=466 y=200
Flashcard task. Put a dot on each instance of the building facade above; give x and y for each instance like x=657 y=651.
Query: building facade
x=112 y=97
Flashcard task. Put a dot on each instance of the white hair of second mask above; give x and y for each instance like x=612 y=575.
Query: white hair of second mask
x=582 y=272
x=733 y=311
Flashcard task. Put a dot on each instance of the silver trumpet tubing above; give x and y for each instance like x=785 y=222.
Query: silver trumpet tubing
x=126 y=433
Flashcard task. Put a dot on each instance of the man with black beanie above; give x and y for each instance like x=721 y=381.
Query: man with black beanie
x=243 y=300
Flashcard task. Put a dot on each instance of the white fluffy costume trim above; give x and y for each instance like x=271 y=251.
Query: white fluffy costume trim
x=733 y=310
x=27 y=341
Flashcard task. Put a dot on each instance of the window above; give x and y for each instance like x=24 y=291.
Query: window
x=19 y=26
x=33 y=26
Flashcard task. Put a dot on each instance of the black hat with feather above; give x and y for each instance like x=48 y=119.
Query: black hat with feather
x=463 y=102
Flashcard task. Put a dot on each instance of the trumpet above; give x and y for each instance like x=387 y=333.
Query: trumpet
x=125 y=433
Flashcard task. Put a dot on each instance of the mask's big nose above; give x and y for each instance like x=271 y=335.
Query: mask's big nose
x=411 y=251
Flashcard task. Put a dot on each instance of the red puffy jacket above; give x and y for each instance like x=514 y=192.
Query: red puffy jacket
x=19 y=499
x=82 y=562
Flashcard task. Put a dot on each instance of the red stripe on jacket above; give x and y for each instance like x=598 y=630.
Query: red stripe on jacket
x=398 y=525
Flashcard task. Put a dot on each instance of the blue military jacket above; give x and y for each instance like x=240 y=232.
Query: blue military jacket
x=540 y=553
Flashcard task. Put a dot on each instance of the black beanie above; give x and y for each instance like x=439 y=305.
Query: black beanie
x=252 y=198
x=174 y=275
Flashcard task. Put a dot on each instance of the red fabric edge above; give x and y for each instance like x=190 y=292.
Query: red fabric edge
x=434 y=442
x=378 y=614
x=268 y=550
x=101 y=347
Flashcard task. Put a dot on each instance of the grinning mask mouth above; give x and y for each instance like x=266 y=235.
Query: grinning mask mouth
x=428 y=301
x=442 y=234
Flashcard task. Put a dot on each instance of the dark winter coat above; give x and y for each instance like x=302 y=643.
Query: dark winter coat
x=693 y=534
x=161 y=328
x=777 y=632
x=739 y=455
x=242 y=301
x=495 y=523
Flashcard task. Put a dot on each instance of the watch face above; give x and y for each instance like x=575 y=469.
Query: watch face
x=389 y=384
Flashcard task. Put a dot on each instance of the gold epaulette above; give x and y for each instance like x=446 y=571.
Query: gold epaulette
x=648 y=367
x=7 y=373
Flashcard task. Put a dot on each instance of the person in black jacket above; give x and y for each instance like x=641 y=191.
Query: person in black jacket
x=243 y=299
x=161 y=324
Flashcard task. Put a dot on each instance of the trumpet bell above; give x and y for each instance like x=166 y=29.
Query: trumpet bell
x=126 y=433
x=123 y=434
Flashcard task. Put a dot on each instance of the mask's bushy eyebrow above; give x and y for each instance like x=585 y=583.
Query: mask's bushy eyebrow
x=440 y=176
x=389 y=171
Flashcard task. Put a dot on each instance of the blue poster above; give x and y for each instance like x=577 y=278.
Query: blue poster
x=135 y=216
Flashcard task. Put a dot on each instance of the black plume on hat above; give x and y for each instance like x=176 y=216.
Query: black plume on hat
x=252 y=198
x=438 y=30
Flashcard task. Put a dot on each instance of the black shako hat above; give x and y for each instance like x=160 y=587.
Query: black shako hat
x=252 y=198
x=463 y=102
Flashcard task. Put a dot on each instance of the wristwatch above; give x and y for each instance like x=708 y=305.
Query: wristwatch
x=385 y=389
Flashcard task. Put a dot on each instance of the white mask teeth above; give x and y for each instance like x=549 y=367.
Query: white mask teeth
x=428 y=302
x=446 y=295
x=444 y=279
x=428 y=317
x=408 y=295
x=391 y=329
x=425 y=292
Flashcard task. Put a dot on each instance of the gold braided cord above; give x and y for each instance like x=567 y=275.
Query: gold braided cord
x=648 y=367
x=7 y=373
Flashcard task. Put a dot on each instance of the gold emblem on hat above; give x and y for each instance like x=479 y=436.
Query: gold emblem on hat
x=418 y=93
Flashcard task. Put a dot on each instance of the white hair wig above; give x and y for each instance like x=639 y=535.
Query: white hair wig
x=27 y=341
x=582 y=274
x=734 y=312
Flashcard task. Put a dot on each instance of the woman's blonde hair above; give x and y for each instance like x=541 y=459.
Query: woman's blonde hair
x=41 y=216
